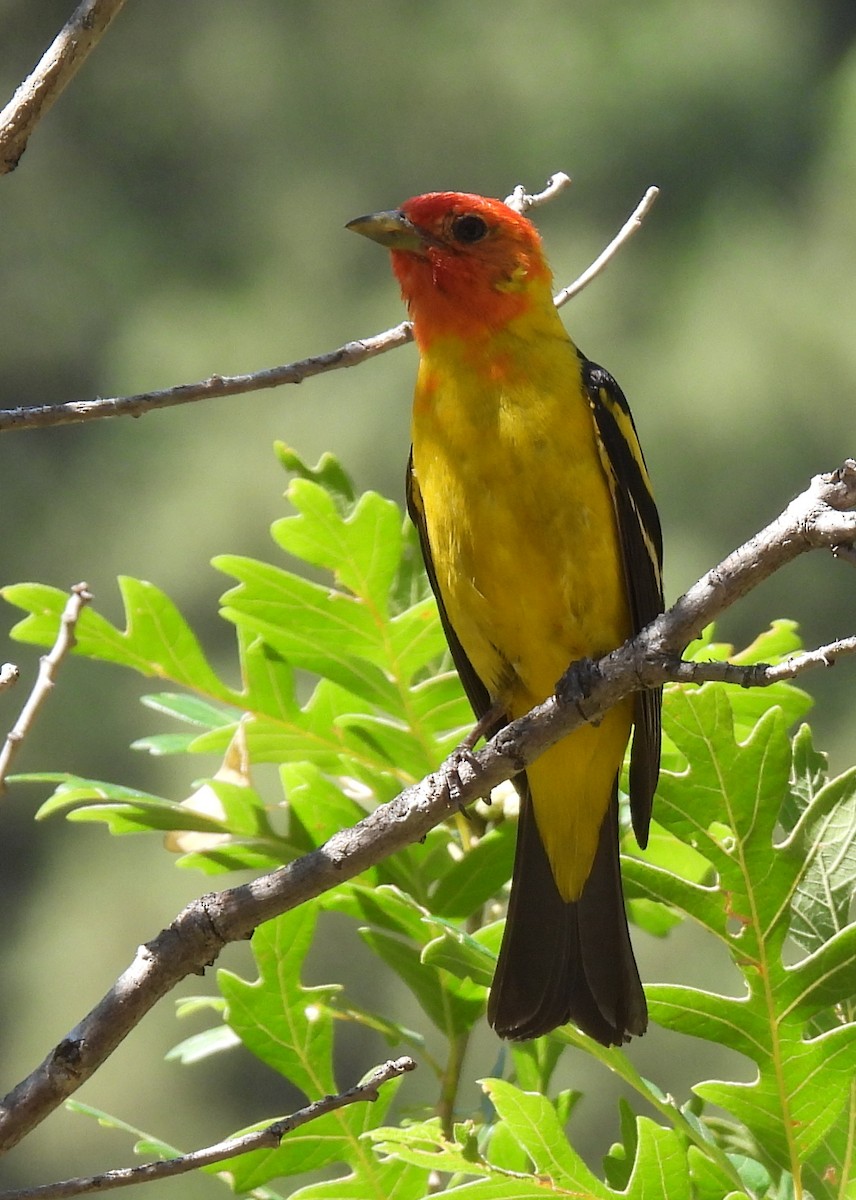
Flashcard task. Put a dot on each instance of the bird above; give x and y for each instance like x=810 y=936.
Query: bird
x=542 y=544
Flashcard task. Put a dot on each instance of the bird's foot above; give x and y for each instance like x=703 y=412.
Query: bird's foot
x=462 y=767
x=458 y=772
x=577 y=683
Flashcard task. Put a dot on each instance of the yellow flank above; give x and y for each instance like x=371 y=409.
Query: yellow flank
x=525 y=546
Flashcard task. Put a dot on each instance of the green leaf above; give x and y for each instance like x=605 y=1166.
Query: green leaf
x=393 y=1032
x=726 y=804
x=362 y=550
x=270 y=689
x=825 y=840
x=660 y=1166
x=328 y=472
x=391 y=742
x=402 y=933
x=477 y=875
x=156 y=640
x=161 y=744
x=391 y=1181
x=772 y=645
x=534 y=1064
x=748 y=705
x=328 y=1141
x=452 y=1004
x=125 y=810
x=200 y=1046
x=423 y=1144
x=709 y=1181
x=193 y=710
x=439 y=705
x=237 y=856
x=385 y=907
x=533 y=1122
x=810 y=1092
x=645 y=881
x=146 y=1143
x=416 y=641
x=318 y=808
x=286 y=1025
x=460 y=953
x=313 y=627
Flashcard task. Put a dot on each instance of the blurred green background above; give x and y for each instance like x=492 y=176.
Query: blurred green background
x=180 y=212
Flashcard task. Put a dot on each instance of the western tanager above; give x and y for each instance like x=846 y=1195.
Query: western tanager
x=542 y=544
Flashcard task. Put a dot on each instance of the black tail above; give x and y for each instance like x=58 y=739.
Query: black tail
x=564 y=962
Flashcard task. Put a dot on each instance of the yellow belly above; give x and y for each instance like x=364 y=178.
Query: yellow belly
x=525 y=546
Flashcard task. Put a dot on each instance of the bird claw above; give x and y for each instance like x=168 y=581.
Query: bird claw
x=575 y=686
x=459 y=771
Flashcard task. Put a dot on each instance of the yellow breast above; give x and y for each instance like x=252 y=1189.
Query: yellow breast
x=519 y=514
x=525 y=546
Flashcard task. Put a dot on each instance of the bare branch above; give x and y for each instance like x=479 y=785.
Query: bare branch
x=521 y=200
x=76 y=411
x=9 y=675
x=79 y=597
x=625 y=233
x=268 y=1138
x=761 y=674
x=349 y=355
x=80 y=34
x=822 y=517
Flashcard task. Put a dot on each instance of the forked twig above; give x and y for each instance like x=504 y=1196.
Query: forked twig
x=349 y=355
x=521 y=200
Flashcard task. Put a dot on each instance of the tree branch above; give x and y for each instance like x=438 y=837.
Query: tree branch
x=9 y=675
x=521 y=200
x=75 y=411
x=349 y=355
x=762 y=674
x=268 y=1138
x=625 y=233
x=820 y=518
x=56 y=68
x=48 y=665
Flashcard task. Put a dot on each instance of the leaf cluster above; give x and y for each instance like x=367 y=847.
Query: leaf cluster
x=346 y=687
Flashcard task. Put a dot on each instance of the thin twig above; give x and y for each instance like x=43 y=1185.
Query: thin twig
x=350 y=355
x=624 y=234
x=754 y=675
x=215 y=386
x=822 y=517
x=268 y=1138
x=9 y=675
x=48 y=665
x=521 y=200
x=56 y=68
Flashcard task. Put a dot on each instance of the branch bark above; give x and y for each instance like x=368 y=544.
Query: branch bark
x=822 y=517
x=74 y=411
x=267 y=1138
x=81 y=33
x=349 y=355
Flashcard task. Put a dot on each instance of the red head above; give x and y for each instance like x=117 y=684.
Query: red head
x=467 y=264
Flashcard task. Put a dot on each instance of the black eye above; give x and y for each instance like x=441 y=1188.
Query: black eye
x=468 y=229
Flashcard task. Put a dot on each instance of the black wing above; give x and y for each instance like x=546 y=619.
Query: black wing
x=642 y=554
